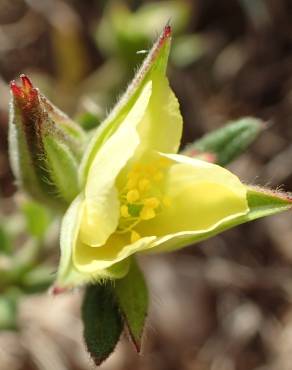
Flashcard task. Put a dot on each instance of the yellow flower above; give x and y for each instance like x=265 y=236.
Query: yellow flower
x=138 y=194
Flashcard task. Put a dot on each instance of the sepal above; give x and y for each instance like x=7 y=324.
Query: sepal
x=102 y=321
x=109 y=306
x=45 y=147
x=132 y=296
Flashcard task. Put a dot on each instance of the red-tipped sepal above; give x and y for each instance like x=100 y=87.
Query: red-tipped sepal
x=44 y=146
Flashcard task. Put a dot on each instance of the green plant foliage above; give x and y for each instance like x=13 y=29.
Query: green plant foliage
x=8 y=312
x=37 y=218
x=188 y=49
x=114 y=38
x=5 y=241
x=228 y=142
x=102 y=321
x=132 y=294
x=38 y=279
x=44 y=146
x=62 y=167
x=264 y=202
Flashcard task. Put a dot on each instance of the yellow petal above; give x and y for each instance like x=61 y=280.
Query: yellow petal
x=154 y=65
x=201 y=197
x=91 y=260
x=101 y=208
x=161 y=127
x=69 y=234
x=68 y=276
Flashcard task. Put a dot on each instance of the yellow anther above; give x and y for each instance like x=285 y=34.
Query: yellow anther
x=144 y=184
x=131 y=183
x=150 y=169
x=158 y=176
x=166 y=202
x=147 y=213
x=124 y=211
x=151 y=202
x=141 y=198
x=135 y=236
x=133 y=196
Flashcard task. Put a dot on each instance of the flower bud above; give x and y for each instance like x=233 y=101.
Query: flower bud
x=44 y=146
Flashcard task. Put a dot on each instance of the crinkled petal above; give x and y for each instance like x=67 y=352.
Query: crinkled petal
x=74 y=277
x=92 y=260
x=155 y=64
x=68 y=275
x=161 y=126
x=101 y=205
x=201 y=197
x=69 y=233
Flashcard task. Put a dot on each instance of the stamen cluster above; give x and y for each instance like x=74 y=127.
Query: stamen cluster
x=141 y=199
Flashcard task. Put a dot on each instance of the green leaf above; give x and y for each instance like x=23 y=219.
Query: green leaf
x=153 y=14
x=228 y=142
x=114 y=38
x=5 y=241
x=132 y=294
x=8 y=312
x=88 y=120
x=37 y=218
x=262 y=203
x=39 y=279
x=102 y=321
x=188 y=49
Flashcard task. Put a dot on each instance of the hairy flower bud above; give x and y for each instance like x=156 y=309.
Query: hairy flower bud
x=44 y=146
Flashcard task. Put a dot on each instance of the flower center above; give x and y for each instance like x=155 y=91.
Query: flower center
x=141 y=199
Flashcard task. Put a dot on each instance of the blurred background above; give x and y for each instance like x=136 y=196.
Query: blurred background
x=225 y=304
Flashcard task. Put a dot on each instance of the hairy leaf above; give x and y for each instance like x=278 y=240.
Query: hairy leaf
x=102 y=321
x=132 y=294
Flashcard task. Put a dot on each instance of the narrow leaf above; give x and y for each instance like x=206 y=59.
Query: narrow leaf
x=228 y=142
x=38 y=279
x=37 y=218
x=5 y=240
x=132 y=294
x=102 y=321
x=8 y=312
